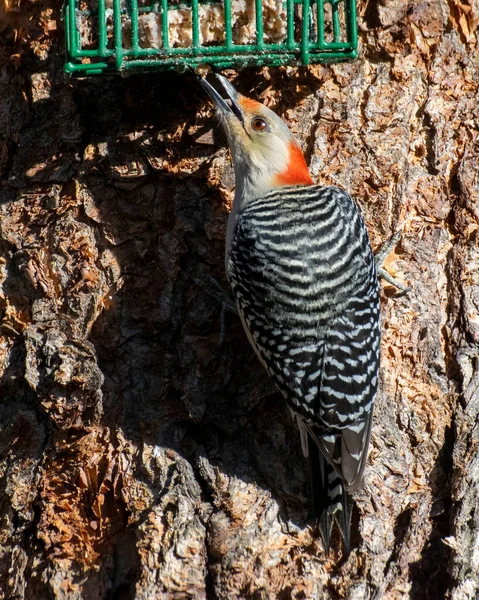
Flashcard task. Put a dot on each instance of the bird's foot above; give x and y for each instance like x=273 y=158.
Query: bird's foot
x=380 y=257
x=214 y=289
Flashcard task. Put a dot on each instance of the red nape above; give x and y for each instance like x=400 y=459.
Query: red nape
x=296 y=173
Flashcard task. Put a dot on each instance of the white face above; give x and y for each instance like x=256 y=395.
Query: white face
x=265 y=153
x=260 y=144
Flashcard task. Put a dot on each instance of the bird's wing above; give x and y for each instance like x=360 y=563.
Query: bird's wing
x=348 y=385
x=320 y=345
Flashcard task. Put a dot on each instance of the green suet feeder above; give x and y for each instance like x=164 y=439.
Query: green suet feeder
x=139 y=35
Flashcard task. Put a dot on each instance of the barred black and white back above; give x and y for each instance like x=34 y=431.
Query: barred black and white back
x=304 y=280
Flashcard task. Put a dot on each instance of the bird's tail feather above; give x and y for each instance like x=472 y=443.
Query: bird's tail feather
x=330 y=500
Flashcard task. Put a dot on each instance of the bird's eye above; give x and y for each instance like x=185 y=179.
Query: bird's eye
x=259 y=124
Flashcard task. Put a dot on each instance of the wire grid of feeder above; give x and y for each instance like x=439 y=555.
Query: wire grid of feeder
x=138 y=35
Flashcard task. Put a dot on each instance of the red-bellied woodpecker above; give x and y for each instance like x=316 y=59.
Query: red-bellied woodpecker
x=304 y=279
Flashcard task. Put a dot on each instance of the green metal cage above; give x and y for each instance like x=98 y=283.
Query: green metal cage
x=138 y=35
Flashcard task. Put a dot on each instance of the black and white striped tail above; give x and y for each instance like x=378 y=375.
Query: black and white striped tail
x=330 y=501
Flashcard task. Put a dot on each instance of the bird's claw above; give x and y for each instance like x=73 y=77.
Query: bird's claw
x=214 y=289
x=381 y=255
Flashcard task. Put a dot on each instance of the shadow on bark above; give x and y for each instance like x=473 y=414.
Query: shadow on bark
x=168 y=383
x=430 y=579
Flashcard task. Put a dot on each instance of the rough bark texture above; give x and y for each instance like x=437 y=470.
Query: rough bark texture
x=139 y=458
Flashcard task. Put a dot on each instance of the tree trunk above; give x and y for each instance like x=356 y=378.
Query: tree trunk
x=142 y=458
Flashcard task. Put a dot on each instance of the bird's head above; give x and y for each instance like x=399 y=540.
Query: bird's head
x=265 y=154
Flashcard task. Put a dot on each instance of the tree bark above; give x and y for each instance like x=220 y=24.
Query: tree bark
x=142 y=458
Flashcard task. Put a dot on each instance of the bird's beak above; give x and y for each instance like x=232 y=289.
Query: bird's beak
x=228 y=106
